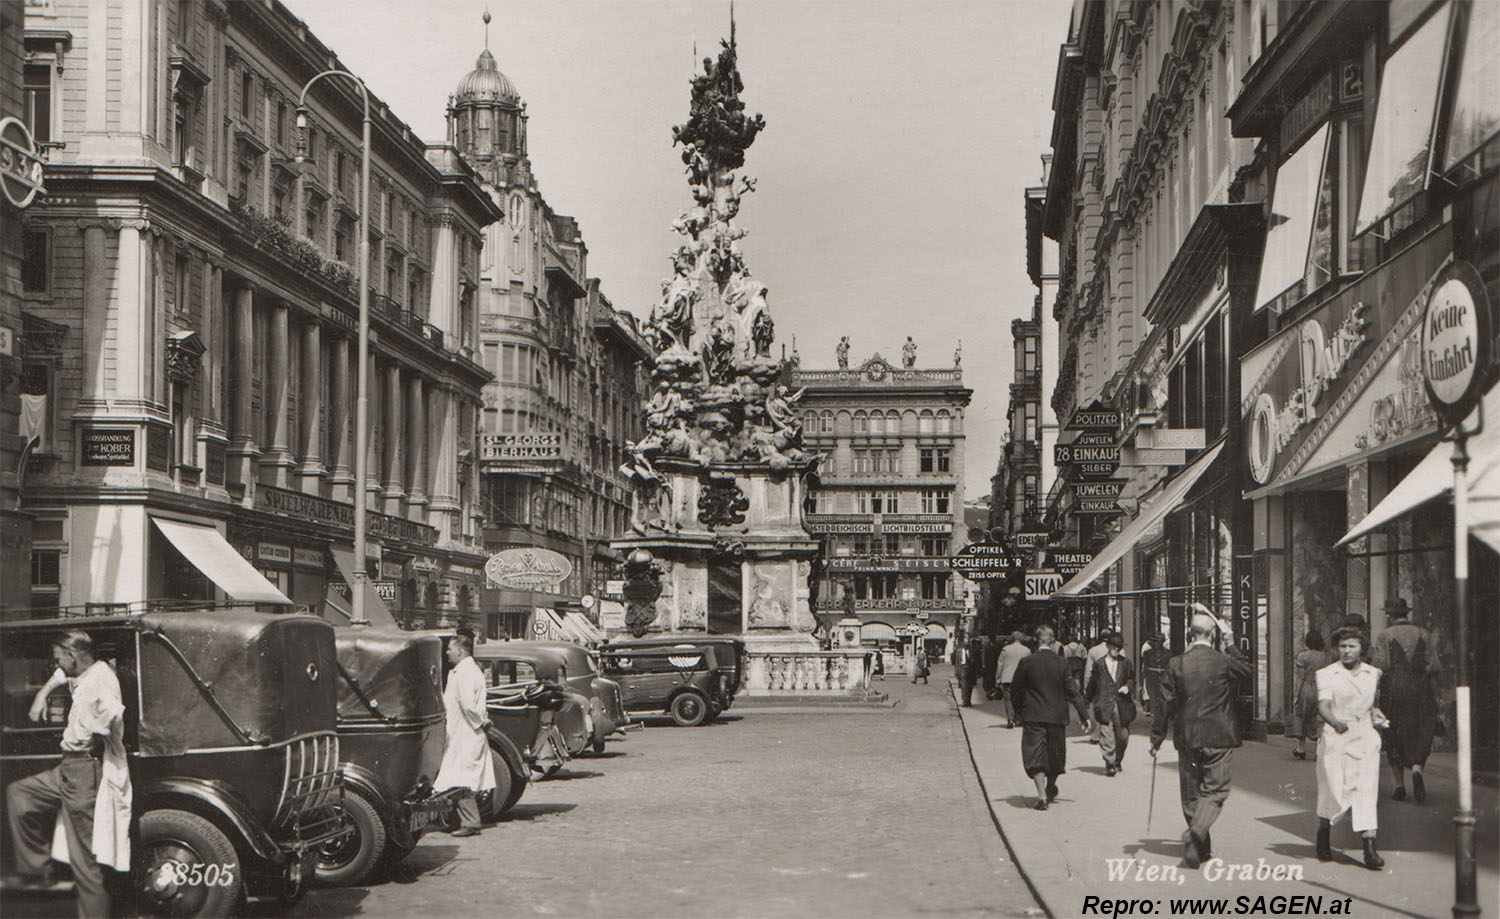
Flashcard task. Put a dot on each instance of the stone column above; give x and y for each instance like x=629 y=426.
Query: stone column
x=340 y=418
x=391 y=492
x=133 y=296
x=377 y=432
x=311 y=472
x=95 y=313
x=416 y=450
x=443 y=304
x=244 y=453
x=276 y=463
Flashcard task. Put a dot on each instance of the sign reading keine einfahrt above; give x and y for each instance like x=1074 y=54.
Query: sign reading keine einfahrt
x=1455 y=335
x=527 y=568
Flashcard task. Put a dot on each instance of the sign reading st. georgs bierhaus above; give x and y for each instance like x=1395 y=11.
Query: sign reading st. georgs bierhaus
x=1455 y=341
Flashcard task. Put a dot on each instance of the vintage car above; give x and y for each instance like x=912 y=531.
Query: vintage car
x=576 y=666
x=684 y=683
x=391 y=736
x=729 y=652
x=230 y=722
x=510 y=667
x=524 y=715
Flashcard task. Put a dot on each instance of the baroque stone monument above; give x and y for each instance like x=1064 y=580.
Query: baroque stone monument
x=719 y=545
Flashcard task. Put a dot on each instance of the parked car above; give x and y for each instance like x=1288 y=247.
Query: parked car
x=684 y=683
x=510 y=666
x=391 y=736
x=230 y=729
x=729 y=652
x=525 y=714
x=576 y=666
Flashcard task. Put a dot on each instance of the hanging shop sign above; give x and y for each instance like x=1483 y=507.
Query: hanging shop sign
x=1032 y=539
x=1067 y=454
x=500 y=447
x=1095 y=507
x=1104 y=488
x=1040 y=585
x=1310 y=394
x=985 y=561
x=527 y=568
x=20 y=165
x=1068 y=564
x=1455 y=341
x=1093 y=418
x=274 y=552
x=1171 y=438
x=309 y=558
x=386 y=590
x=1094 y=439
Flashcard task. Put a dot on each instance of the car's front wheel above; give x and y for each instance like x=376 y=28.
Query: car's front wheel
x=495 y=803
x=352 y=858
x=688 y=709
x=185 y=866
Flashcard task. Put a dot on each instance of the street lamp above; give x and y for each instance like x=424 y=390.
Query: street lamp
x=362 y=373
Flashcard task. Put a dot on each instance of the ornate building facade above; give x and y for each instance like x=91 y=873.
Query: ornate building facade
x=888 y=504
x=569 y=372
x=195 y=286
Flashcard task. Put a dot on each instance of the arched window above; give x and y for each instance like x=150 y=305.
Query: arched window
x=861 y=423
x=944 y=422
x=893 y=423
x=877 y=424
x=924 y=422
x=827 y=422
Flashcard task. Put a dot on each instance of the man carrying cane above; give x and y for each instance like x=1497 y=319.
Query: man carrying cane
x=1197 y=698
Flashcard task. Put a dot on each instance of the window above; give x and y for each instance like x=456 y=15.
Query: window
x=38 y=408
x=934 y=586
x=861 y=461
x=827 y=423
x=944 y=460
x=925 y=423
x=936 y=546
x=46 y=578
x=281 y=123
x=37 y=101
x=934 y=501
x=925 y=461
x=1476 y=105
x=861 y=423
x=862 y=502
x=36 y=261
x=883 y=502
x=314 y=216
x=247 y=94
x=812 y=501
x=944 y=422
x=1029 y=361
x=1291 y=221
x=1402 y=136
x=341 y=241
x=180 y=284
x=1031 y=433
x=892 y=544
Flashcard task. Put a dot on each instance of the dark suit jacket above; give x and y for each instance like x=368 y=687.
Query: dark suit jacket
x=1197 y=698
x=1043 y=687
x=1103 y=693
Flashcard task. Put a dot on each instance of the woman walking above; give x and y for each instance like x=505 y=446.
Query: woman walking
x=1407 y=662
x=1349 y=748
x=1305 y=719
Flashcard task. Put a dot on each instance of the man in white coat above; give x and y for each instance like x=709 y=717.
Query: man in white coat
x=467 y=763
x=87 y=796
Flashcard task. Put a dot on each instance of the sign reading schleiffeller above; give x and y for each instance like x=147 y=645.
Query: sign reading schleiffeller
x=983 y=561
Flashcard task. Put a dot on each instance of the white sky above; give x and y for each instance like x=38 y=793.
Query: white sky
x=900 y=136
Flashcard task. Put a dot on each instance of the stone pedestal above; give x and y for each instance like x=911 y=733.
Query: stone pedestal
x=733 y=553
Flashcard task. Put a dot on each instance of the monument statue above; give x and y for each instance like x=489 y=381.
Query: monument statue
x=958 y=355
x=909 y=354
x=843 y=353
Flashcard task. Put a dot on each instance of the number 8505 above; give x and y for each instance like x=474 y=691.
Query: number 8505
x=214 y=875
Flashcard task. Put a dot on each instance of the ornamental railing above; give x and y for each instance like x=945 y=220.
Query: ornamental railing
x=839 y=671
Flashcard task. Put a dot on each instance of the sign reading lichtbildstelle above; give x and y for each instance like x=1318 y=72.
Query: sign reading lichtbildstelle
x=1455 y=340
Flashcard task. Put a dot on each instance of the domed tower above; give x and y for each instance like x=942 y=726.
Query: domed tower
x=487 y=119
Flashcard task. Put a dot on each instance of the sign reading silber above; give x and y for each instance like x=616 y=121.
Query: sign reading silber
x=527 y=568
x=500 y=447
x=1455 y=340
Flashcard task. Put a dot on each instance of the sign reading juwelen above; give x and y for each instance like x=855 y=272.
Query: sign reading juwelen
x=983 y=561
x=1455 y=341
x=1347 y=378
x=499 y=448
x=527 y=568
x=1097 y=497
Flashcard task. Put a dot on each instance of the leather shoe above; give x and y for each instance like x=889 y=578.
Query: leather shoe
x=1373 y=861
x=1051 y=792
x=1325 y=846
x=1110 y=770
x=1418 y=788
x=465 y=831
x=1041 y=804
x=1399 y=794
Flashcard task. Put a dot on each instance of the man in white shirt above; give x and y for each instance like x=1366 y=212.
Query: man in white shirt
x=94 y=731
x=467 y=763
x=1096 y=654
x=1010 y=658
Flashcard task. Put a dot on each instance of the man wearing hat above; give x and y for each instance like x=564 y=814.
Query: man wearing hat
x=1108 y=695
x=1153 y=668
x=1404 y=654
x=1197 y=702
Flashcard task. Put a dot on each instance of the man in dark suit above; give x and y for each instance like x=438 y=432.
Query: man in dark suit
x=1197 y=700
x=1109 y=695
x=1042 y=688
x=967 y=656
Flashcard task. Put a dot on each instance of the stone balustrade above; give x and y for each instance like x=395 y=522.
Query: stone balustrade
x=812 y=671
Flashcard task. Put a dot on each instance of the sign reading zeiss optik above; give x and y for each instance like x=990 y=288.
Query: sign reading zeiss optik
x=984 y=561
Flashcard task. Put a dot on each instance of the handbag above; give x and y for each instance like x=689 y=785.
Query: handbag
x=1126 y=708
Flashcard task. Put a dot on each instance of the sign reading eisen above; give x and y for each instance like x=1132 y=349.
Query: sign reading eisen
x=527 y=568
x=1455 y=339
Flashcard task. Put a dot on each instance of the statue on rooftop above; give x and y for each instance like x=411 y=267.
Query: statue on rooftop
x=909 y=354
x=843 y=353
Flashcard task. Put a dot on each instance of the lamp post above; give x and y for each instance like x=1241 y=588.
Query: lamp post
x=362 y=372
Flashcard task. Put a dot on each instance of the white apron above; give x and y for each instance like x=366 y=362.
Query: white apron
x=466 y=755
x=1349 y=763
x=96 y=692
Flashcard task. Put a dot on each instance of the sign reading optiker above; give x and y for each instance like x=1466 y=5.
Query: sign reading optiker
x=503 y=447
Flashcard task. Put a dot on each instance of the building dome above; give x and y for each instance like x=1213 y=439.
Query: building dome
x=485 y=83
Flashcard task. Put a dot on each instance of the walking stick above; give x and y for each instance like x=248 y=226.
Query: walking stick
x=1151 y=800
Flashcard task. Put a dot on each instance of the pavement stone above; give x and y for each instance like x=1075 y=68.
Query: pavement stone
x=1270 y=815
x=869 y=812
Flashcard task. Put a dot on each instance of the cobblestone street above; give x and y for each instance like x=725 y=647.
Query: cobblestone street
x=865 y=812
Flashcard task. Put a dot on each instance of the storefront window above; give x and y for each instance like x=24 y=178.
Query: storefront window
x=1476 y=105
x=1291 y=220
x=1402 y=135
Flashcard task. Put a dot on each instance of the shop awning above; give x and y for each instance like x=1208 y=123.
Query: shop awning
x=1150 y=514
x=209 y=552
x=546 y=625
x=375 y=609
x=935 y=631
x=1433 y=478
x=589 y=631
x=877 y=631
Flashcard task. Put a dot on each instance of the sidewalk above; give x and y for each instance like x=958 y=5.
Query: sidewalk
x=1064 y=851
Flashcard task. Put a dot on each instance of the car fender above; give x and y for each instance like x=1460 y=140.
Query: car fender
x=508 y=752
x=373 y=788
x=216 y=803
x=682 y=689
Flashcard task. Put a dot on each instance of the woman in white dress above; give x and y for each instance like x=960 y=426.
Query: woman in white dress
x=1349 y=748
